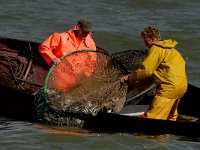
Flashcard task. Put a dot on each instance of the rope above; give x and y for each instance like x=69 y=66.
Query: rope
x=12 y=67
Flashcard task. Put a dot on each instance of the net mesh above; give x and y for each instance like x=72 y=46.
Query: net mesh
x=85 y=82
x=131 y=60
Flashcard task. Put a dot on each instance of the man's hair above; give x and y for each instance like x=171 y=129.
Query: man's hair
x=151 y=32
x=86 y=25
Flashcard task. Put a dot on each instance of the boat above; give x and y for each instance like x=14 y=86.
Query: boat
x=22 y=75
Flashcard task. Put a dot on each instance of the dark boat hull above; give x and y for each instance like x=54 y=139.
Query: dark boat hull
x=19 y=88
x=17 y=104
x=111 y=123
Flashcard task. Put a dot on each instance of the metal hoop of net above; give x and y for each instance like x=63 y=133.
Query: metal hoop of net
x=85 y=82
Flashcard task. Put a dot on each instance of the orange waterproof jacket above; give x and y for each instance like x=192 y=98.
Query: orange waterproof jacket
x=166 y=67
x=59 y=44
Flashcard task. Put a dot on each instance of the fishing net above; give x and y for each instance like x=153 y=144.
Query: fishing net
x=97 y=87
x=131 y=60
x=85 y=82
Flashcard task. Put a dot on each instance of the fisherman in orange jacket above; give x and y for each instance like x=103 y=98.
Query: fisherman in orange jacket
x=79 y=37
x=166 y=67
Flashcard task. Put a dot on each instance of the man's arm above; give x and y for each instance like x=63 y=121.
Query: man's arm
x=47 y=47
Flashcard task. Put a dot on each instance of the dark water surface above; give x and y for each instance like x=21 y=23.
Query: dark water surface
x=117 y=27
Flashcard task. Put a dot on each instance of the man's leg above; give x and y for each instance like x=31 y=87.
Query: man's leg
x=160 y=108
x=173 y=115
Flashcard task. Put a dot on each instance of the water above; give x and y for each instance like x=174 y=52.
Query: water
x=23 y=135
x=117 y=27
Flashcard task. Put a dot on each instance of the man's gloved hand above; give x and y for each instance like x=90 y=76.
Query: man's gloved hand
x=124 y=79
x=56 y=61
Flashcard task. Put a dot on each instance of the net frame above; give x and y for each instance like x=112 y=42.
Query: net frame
x=53 y=66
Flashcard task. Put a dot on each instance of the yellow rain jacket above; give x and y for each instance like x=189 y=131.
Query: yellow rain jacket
x=166 y=67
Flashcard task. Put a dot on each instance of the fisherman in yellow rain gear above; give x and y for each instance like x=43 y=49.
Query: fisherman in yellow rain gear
x=166 y=67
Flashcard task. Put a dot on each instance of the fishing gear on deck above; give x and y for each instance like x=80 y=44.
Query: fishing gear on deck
x=85 y=84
